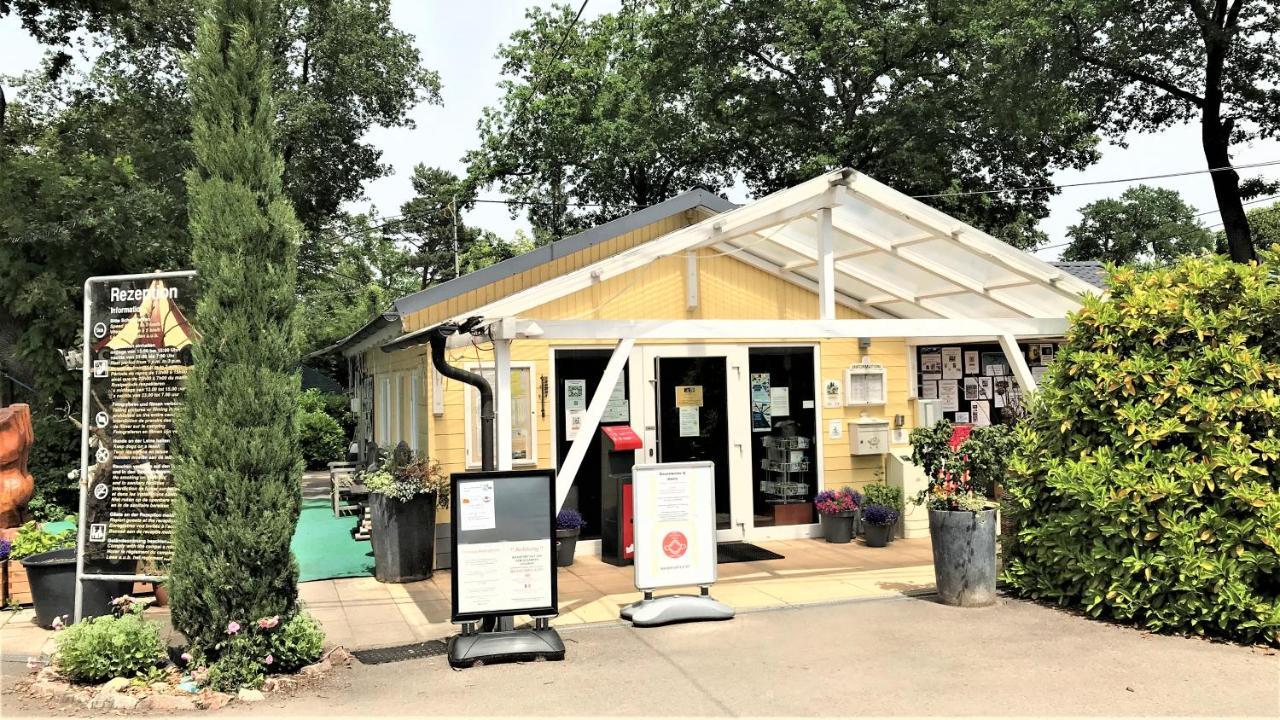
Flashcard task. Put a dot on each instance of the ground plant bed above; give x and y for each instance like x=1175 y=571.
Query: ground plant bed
x=170 y=693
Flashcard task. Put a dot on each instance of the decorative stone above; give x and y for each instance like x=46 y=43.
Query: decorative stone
x=340 y=655
x=319 y=668
x=121 y=701
x=214 y=701
x=167 y=703
x=279 y=684
x=160 y=687
x=250 y=695
x=48 y=673
x=46 y=688
x=115 y=684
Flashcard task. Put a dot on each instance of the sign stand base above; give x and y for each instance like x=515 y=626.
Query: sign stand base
x=541 y=642
x=651 y=611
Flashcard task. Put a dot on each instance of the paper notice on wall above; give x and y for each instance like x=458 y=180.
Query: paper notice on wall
x=476 y=509
x=780 y=399
x=971 y=366
x=573 y=420
x=689 y=422
x=951 y=364
x=971 y=388
x=949 y=394
x=575 y=395
x=962 y=417
x=688 y=396
x=980 y=413
x=502 y=575
x=929 y=389
x=985 y=389
x=831 y=393
x=617 y=410
x=931 y=362
x=1002 y=392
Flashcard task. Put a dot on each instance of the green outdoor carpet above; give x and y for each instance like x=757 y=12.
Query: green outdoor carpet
x=324 y=547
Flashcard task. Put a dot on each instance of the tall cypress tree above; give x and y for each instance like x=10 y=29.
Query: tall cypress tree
x=237 y=464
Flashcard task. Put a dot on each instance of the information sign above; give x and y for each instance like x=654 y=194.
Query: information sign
x=138 y=345
x=675 y=524
x=503 y=544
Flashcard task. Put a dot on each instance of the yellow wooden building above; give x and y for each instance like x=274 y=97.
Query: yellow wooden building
x=839 y=312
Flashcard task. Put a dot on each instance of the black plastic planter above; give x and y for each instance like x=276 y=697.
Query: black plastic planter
x=876 y=535
x=566 y=545
x=404 y=536
x=53 y=588
x=964 y=556
x=838 y=527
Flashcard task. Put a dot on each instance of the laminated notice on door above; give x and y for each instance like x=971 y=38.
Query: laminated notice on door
x=689 y=396
x=689 y=422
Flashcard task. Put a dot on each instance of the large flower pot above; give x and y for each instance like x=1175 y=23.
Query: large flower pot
x=403 y=537
x=876 y=535
x=838 y=527
x=964 y=556
x=566 y=545
x=53 y=588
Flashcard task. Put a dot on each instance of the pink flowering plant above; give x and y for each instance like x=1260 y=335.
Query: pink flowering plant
x=830 y=502
x=253 y=648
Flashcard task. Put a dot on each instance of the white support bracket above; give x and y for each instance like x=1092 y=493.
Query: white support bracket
x=595 y=410
x=1017 y=363
x=826 y=268
x=691 y=280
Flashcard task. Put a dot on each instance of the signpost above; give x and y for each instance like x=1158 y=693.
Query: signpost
x=675 y=538
x=137 y=351
x=504 y=564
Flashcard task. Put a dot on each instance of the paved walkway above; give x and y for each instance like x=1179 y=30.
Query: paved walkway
x=362 y=613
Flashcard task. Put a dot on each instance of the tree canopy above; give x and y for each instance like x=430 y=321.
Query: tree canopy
x=1144 y=223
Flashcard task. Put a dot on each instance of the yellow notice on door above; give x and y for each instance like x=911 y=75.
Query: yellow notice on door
x=689 y=396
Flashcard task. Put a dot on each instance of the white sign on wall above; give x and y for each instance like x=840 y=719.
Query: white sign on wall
x=675 y=524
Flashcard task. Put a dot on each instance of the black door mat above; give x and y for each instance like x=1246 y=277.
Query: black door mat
x=378 y=656
x=734 y=552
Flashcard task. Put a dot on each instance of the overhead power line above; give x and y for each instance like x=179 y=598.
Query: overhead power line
x=1089 y=183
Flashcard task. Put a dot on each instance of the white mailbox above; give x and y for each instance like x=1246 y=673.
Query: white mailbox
x=868 y=436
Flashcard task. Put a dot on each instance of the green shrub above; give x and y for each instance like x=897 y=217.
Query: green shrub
x=54 y=465
x=878 y=493
x=98 y=649
x=1145 y=487
x=297 y=643
x=32 y=539
x=321 y=439
x=233 y=671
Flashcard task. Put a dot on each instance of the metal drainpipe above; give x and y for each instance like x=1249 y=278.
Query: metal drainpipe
x=437 y=338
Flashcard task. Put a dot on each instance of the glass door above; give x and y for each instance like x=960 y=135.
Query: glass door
x=694 y=410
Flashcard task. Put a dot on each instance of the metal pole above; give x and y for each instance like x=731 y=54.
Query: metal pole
x=86 y=367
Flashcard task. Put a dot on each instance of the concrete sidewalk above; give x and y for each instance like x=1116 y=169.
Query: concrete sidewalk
x=898 y=656
x=363 y=613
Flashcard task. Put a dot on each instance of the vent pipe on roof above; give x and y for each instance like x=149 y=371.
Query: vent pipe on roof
x=438 y=336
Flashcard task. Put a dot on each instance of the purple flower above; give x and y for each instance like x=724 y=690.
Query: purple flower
x=5 y=547
x=233 y=627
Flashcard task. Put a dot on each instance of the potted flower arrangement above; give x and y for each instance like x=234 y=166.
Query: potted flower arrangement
x=890 y=496
x=838 y=510
x=403 y=496
x=569 y=524
x=962 y=516
x=49 y=561
x=877 y=523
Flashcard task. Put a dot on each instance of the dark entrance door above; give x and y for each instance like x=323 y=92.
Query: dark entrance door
x=588 y=366
x=693 y=418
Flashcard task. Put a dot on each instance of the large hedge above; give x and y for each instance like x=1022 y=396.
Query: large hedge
x=1145 y=487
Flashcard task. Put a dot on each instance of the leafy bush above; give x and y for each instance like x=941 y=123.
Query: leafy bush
x=320 y=438
x=250 y=651
x=1146 y=483
x=32 y=539
x=298 y=643
x=878 y=493
x=54 y=465
x=963 y=477
x=335 y=405
x=98 y=649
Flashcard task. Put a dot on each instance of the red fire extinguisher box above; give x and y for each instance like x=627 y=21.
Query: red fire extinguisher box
x=617 y=533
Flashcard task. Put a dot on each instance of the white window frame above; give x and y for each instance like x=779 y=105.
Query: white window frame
x=415 y=384
x=384 y=411
x=471 y=455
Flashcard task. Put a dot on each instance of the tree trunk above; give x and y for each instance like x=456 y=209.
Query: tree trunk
x=1226 y=187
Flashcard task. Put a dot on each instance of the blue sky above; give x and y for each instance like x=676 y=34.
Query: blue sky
x=459 y=40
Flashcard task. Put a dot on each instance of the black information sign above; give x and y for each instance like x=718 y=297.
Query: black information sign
x=138 y=351
x=504 y=544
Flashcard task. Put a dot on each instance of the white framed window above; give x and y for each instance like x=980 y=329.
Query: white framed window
x=524 y=428
x=397 y=411
x=415 y=382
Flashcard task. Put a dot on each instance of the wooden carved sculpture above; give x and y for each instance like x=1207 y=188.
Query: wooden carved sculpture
x=16 y=484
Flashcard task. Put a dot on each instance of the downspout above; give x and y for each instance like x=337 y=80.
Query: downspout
x=437 y=338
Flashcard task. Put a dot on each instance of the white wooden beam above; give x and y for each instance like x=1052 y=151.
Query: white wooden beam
x=502 y=402
x=843 y=255
x=595 y=410
x=691 y=280
x=1017 y=363
x=826 y=268
x=784 y=330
